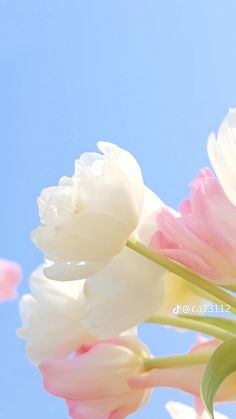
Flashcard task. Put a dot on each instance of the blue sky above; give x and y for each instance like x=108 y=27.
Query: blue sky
x=152 y=76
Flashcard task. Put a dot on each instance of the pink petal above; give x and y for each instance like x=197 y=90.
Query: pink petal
x=185 y=207
x=178 y=377
x=203 y=236
x=95 y=382
x=84 y=410
x=199 y=405
x=162 y=241
x=193 y=261
x=187 y=379
x=10 y=276
x=80 y=410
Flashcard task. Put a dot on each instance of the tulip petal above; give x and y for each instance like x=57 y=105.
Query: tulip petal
x=209 y=251
x=95 y=381
x=128 y=291
x=51 y=318
x=222 y=154
x=181 y=411
x=10 y=276
x=182 y=377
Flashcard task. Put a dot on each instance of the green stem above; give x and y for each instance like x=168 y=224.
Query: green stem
x=212 y=290
x=231 y=288
x=205 y=295
x=176 y=361
x=190 y=324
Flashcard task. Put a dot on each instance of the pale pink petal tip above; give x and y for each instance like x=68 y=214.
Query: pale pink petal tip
x=95 y=383
x=10 y=276
x=210 y=251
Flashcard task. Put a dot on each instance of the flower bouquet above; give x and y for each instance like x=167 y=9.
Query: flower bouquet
x=116 y=256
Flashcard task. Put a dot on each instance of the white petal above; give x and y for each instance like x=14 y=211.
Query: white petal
x=61 y=271
x=51 y=318
x=123 y=294
x=222 y=154
x=179 y=293
x=147 y=225
x=181 y=411
x=89 y=236
x=127 y=164
x=89 y=217
x=220 y=416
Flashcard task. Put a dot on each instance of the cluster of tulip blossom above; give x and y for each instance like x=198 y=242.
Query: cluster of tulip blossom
x=116 y=256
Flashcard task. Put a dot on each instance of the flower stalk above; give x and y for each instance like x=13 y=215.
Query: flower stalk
x=213 y=292
x=190 y=324
x=176 y=361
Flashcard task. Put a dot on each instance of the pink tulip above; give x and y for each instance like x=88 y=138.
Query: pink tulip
x=95 y=382
x=202 y=237
x=187 y=378
x=10 y=275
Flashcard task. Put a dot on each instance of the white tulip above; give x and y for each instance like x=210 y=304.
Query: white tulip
x=222 y=154
x=126 y=292
x=129 y=289
x=87 y=219
x=51 y=318
x=181 y=411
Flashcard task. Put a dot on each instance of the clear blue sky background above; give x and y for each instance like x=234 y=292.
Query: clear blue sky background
x=154 y=77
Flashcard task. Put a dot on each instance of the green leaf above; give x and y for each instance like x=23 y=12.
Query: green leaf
x=221 y=365
x=222 y=323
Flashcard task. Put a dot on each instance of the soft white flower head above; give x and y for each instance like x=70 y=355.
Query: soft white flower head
x=87 y=219
x=126 y=292
x=129 y=289
x=51 y=318
x=222 y=154
x=181 y=411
